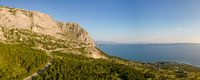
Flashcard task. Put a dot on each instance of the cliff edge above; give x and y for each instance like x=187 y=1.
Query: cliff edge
x=39 y=30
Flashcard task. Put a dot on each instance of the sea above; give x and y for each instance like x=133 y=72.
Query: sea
x=152 y=53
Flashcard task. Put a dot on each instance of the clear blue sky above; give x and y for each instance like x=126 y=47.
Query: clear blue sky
x=146 y=21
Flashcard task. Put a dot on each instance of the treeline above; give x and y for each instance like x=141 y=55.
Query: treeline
x=17 y=62
x=77 y=67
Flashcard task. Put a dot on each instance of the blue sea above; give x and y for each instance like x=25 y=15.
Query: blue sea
x=182 y=53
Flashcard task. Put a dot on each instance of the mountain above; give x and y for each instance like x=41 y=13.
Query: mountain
x=40 y=31
x=35 y=46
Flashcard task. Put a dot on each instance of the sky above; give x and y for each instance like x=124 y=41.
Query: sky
x=125 y=21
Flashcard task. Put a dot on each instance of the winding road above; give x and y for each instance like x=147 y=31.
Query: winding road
x=48 y=52
x=40 y=71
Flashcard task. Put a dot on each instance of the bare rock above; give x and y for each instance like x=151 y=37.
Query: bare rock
x=70 y=33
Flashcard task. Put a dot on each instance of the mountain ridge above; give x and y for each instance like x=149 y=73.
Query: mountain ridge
x=14 y=21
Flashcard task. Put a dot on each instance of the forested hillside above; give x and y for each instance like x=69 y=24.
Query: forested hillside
x=66 y=66
x=77 y=67
x=17 y=61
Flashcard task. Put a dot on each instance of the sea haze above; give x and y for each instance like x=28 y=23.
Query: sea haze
x=183 y=53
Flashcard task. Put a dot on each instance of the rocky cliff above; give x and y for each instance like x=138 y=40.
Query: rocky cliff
x=40 y=31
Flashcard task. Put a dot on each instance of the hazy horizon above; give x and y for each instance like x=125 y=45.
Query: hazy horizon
x=125 y=21
x=113 y=42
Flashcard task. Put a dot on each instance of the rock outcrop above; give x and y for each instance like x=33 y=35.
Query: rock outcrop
x=41 y=31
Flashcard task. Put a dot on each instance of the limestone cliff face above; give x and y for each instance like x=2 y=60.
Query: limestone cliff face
x=20 y=25
x=21 y=19
x=77 y=32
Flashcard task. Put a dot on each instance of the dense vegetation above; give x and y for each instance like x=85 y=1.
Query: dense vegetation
x=17 y=62
x=181 y=70
x=77 y=67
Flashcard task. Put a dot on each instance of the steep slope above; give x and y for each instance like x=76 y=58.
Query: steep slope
x=40 y=31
